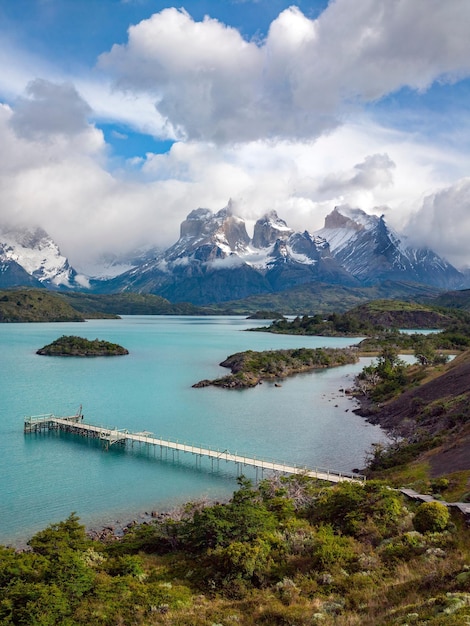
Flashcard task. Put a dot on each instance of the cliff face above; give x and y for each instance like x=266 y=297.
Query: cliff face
x=215 y=260
x=369 y=249
x=268 y=229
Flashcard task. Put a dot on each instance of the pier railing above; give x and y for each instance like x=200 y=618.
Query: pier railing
x=121 y=436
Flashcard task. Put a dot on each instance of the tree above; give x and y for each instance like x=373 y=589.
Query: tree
x=426 y=354
x=69 y=534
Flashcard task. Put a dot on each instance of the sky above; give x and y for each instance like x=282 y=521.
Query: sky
x=119 y=117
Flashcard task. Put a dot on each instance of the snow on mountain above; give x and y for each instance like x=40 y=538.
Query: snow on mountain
x=206 y=236
x=268 y=229
x=39 y=256
x=372 y=251
x=343 y=225
x=215 y=259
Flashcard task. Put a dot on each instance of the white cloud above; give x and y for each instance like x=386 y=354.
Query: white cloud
x=272 y=125
x=374 y=171
x=229 y=262
x=61 y=182
x=443 y=223
x=213 y=85
x=50 y=109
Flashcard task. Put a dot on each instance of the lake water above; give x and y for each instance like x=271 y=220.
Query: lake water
x=43 y=478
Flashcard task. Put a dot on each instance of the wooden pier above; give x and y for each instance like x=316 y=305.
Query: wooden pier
x=122 y=437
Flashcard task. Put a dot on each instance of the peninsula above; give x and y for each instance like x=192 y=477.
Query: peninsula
x=78 y=346
x=250 y=368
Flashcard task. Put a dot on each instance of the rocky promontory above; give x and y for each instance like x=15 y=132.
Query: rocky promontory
x=250 y=368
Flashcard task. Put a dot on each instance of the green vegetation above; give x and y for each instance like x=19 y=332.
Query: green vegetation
x=386 y=377
x=323 y=299
x=250 y=367
x=129 y=304
x=40 y=305
x=265 y=315
x=78 y=346
x=336 y=324
x=35 y=305
x=431 y=517
x=291 y=552
x=372 y=318
x=379 y=321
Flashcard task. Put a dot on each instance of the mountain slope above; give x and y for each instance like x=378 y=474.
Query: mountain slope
x=35 y=305
x=214 y=260
x=435 y=416
x=39 y=257
x=372 y=251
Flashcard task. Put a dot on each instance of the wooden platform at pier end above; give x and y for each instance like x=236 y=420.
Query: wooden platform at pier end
x=119 y=436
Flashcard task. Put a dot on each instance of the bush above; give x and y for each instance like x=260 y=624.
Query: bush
x=332 y=551
x=360 y=510
x=431 y=517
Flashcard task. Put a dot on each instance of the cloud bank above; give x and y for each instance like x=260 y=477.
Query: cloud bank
x=285 y=123
x=212 y=85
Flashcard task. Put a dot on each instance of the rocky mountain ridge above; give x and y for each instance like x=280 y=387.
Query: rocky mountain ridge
x=30 y=257
x=216 y=260
x=372 y=251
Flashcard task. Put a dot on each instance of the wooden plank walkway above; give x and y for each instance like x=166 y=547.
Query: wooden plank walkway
x=114 y=436
x=463 y=507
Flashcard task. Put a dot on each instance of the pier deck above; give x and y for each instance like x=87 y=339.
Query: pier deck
x=115 y=436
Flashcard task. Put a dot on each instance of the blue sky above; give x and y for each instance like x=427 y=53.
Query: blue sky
x=118 y=117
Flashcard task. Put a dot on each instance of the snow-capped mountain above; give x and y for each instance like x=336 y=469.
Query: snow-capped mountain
x=216 y=260
x=31 y=257
x=372 y=251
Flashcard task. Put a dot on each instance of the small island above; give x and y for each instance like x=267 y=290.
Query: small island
x=78 y=346
x=250 y=368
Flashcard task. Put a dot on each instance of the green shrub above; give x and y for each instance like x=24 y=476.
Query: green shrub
x=403 y=548
x=332 y=551
x=431 y=517
x=356 y=509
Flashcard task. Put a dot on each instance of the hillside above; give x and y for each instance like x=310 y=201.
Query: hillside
x=321 y=298
x=434 y=419
x=454 y=299
x=292 y=552
x=36 y=305
x=399 y=314
x=128 y=304
x=41 y=305
x=379 y=321
x=312 y=298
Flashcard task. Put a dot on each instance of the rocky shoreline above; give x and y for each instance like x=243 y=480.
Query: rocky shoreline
x=114 y=532
x=251 y=368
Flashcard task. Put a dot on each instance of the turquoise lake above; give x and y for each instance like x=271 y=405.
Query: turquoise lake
x=43 y=478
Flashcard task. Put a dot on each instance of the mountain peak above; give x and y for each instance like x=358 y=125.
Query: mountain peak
x=347 y=217
x=372 y=251
x=204 y=228
x=214 y=258
x=268 y=229
x=36 y=252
